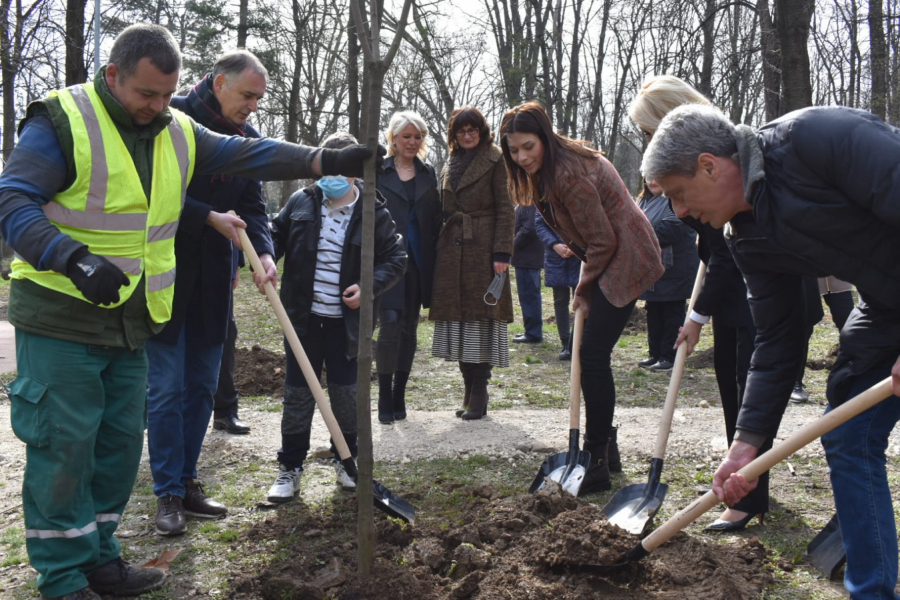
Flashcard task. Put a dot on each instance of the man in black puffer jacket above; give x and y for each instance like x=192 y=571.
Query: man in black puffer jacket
x=817 y=193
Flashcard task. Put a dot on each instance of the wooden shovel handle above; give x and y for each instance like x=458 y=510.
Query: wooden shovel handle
x=575 y=384
x=761 y=464
x=665 y=424
x=311 y=380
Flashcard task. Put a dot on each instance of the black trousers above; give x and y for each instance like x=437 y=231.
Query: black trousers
x=226 y=397
x=397 y=341
x=732 y=349
x=561 y=297
x=663 y=320
x=602 y=330
x=840 y=304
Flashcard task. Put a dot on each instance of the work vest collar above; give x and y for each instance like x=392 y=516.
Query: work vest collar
x=121 y=116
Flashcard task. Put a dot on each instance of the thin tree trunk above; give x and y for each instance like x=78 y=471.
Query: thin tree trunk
x=242 y=24
x=879 y=58
x=792 y=25
x=76 y=71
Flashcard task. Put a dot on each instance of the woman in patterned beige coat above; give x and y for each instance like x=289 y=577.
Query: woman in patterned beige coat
x=475 y=245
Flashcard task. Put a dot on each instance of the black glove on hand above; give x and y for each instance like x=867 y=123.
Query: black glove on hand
x=95 y=277
x=349 y=161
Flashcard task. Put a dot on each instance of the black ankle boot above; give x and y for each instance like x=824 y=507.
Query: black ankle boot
x=597 y=478
x=399 y=395
x=385 y=398
x=478 y=398
x=615 y=460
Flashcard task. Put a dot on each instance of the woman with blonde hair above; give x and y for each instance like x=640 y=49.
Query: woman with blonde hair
x=582 y=198
x=723 y=299
x=409 y=186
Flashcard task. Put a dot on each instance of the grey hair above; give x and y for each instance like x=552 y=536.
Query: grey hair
x=145 y=41
x=233 y=63
x=682 y=136
x=339 y=140
x=399 y=122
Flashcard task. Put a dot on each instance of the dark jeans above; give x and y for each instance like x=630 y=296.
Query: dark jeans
x=602 y=329
x=663 y=320
x=561 y=297
x=226 y=397
x=732 y=349
x=396 y=346
x=325 y=342
x=840 y=304
x=528 y=282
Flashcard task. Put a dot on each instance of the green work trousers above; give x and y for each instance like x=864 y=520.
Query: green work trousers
x=81 y=411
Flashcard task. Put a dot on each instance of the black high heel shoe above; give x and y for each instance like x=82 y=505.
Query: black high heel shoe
x=720 y=526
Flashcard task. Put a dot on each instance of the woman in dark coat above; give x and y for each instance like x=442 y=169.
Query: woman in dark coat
x=581 y=196
x=410 y=188
x=665 y=300
x=474 y=247
x=561 y=270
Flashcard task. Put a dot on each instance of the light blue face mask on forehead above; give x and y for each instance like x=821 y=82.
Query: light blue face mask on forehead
x=334 y=186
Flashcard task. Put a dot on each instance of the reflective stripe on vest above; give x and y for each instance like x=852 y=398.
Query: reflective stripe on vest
x=106 y=207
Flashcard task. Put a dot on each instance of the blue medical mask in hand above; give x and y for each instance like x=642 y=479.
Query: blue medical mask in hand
x=334 y=186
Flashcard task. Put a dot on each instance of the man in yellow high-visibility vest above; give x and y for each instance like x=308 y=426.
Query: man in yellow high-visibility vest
x=90 y=201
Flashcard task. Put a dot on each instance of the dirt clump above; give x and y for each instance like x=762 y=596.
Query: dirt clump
x=637 y=322
x=258 y=372
x=545 y=546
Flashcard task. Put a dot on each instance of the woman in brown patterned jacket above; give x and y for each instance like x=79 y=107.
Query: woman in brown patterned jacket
x=581 y=196
x=475 y=245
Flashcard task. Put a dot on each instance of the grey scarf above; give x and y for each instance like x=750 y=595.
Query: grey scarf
x=750 y=159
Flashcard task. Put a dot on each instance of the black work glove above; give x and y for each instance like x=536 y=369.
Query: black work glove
x=349 y=161
x=95 y=277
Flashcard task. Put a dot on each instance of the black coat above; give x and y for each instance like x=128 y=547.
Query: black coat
x=558 y=271
x=528 y=252
x=204 y=258
x=723 y=294
x=427 y=205
x=679 y=252
x=827 y=205
x=295 y=233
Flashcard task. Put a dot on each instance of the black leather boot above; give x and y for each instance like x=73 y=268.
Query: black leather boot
x=118 y=578
x=385 y=399
x=615 y=460
x=467 y=382
x=478 y=398
x=597 y=478
x=399 y=395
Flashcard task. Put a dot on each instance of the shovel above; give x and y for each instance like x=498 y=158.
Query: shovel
x=384 y=499
x=826 y=551
x=760 y=465
x=568 y=468
x=633 y=507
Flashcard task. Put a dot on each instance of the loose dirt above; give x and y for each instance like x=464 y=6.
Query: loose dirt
x=258 y=372
x=542 y=546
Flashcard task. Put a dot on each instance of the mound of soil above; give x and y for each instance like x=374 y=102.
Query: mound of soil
x=258 y=372
x=701 y=359
x=539 y=546
x=637 y=322
x=817 y=364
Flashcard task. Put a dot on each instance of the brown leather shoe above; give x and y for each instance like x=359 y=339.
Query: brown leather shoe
x=197 y=504
x=170 y=515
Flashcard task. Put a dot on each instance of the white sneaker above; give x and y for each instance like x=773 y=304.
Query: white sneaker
x=343 y=477
x=286 y=486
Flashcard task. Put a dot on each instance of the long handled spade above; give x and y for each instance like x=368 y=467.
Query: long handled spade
x=568 y=468
x=634 y=506
x=826 y=551
x=384 y=499
x=760 y=465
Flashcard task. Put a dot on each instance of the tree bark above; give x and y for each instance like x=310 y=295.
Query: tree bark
x=878 y=44
x=76 y=71
x=792 y=26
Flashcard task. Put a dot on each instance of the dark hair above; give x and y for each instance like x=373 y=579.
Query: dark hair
x=235 y=62
x=530 y=117
x=145 y=41
x=471 y=117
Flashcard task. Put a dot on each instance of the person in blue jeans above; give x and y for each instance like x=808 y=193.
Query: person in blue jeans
x=528 y=260
x=813 y=193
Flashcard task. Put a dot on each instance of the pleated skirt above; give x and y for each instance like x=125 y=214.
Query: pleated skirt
x=472 y=342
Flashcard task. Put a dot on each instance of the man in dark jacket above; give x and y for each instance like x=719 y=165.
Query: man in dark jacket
x=185 y=357
x=528 y=260
x=812 y=193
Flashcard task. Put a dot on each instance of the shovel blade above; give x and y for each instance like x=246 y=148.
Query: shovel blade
x=565 y=468
x=392 y=504
x=826 y=550
x=633 y=507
